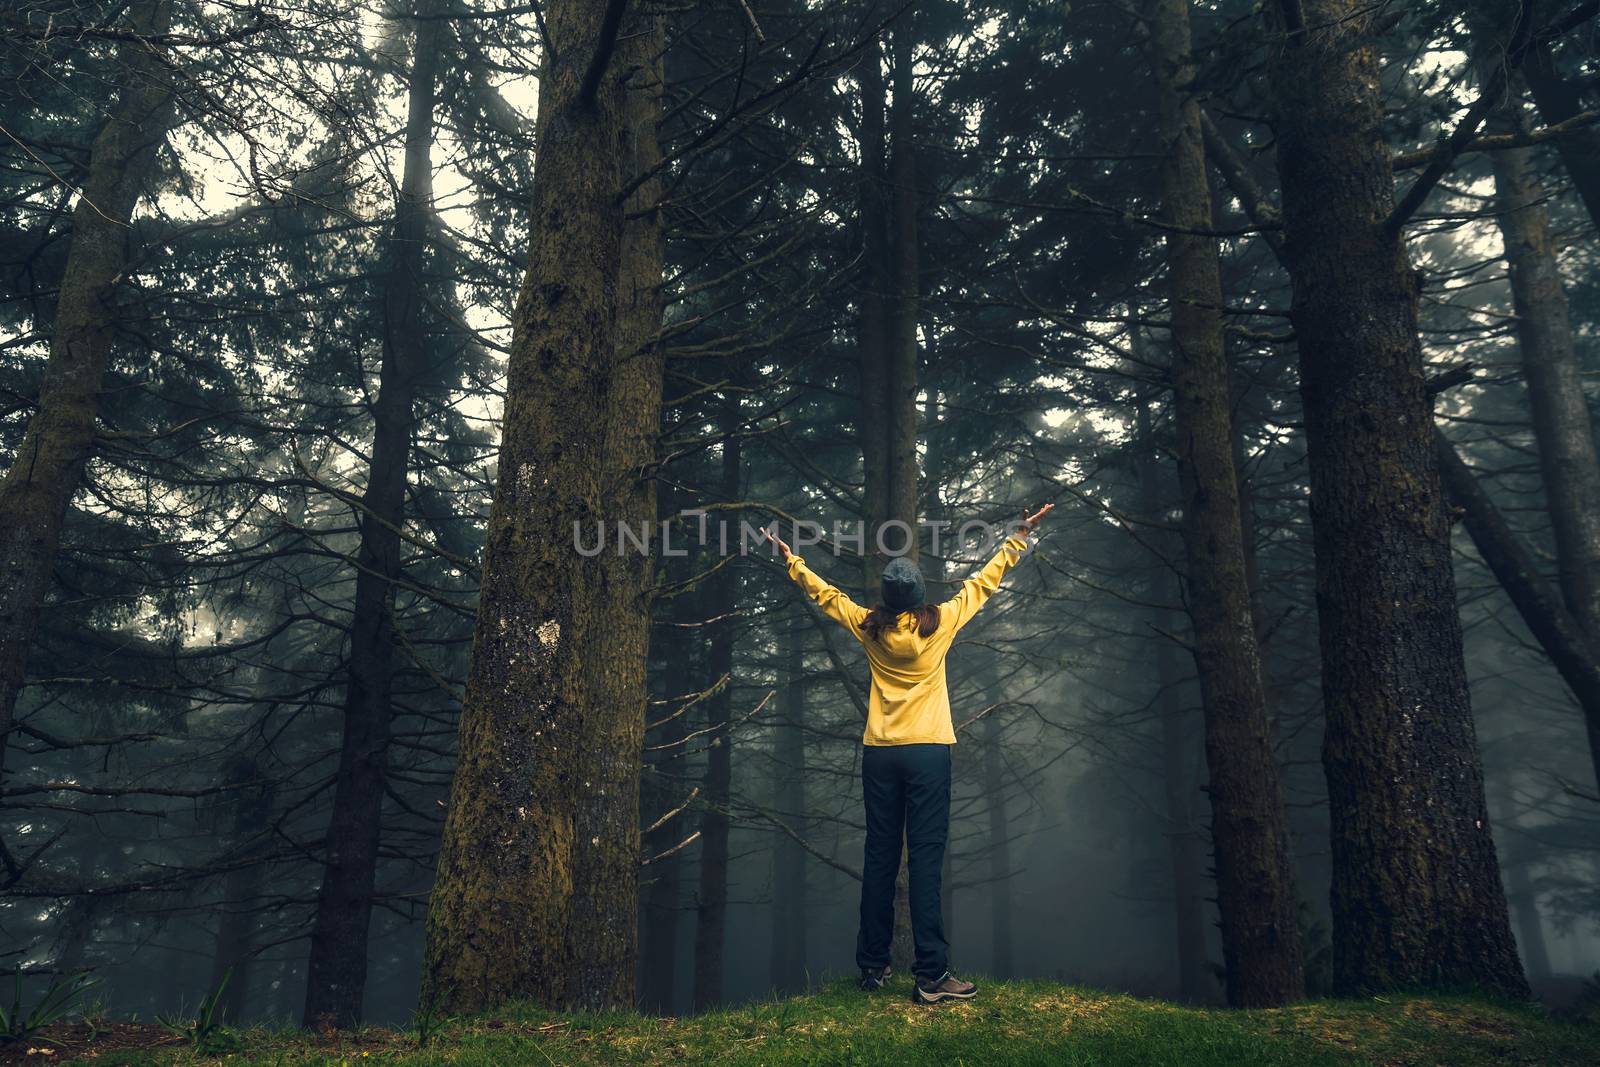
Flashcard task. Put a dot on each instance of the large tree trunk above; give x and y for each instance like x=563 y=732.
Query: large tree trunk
x=336 y=970
x=788 y=858
x=1416 y=893
x=711 y=927
x=544 y=812
x=1561 y=424
x=1559 y=100
x=1250 y=838
x=38 y=488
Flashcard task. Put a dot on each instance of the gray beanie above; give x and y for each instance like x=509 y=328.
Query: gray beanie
x=902 y=585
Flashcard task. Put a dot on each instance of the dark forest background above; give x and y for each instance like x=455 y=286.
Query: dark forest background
x=270 y=254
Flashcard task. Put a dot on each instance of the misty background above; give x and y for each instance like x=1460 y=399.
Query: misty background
x=170 y=773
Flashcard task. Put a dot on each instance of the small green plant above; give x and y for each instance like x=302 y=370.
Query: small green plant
x=205 y=1031
x=64 y=993
x=428 y=1022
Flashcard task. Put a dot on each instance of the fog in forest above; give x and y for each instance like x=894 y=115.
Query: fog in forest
x=291 y=465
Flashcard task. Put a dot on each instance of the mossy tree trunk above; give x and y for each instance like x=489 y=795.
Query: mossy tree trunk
x=1250 y=838
x=59 y=439
x=336 y=969
x=1416 y=896
x=536 y=891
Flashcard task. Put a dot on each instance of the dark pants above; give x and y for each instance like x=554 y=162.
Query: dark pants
x=907 y=791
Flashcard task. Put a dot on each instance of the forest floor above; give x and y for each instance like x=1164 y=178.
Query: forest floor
x=1010 y=1023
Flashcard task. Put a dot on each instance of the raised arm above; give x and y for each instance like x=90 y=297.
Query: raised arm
x=832 y=600
x=975 y=591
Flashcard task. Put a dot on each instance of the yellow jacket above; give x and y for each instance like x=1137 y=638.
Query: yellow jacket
x=910 y=703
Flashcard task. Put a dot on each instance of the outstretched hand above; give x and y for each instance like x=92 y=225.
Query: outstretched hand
x=1031 y=521
x=776 y=540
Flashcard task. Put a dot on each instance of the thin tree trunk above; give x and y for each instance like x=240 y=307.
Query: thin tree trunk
x=1571 y=653
x=1185 y=849
x=711 y=926
x=1530 y=928
x=788 y=858
x=899 y=413
x=336 y=970
x=544 y=809
x=1179 y=748
x=660 y=951
x=873 y=325
x=681 y=649
x=39 y=486
x=1567 y=457
x=904 y=348
x=1250 y=837
x=1416 y=897
x=1559 y=100
x=232 y=952
x=1000 y=909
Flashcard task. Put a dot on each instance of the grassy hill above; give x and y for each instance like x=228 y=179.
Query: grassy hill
x=1011 y=1023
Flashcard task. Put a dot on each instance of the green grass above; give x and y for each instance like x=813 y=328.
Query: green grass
x=1018 y=1023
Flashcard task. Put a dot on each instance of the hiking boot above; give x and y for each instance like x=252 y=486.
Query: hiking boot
x=875 y=977
x=945 y=987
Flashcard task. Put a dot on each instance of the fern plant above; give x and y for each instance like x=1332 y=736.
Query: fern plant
x=205 y=1031
x=63 y=994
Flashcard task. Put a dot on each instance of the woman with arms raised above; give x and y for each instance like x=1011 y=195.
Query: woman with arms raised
x=905 y=761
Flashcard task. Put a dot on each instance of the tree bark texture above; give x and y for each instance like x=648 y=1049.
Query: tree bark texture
x=1416 y=897
x=544 y=812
